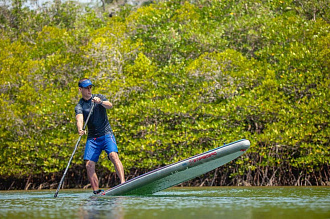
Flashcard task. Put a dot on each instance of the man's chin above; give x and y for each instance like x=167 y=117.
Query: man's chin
x=87 y=97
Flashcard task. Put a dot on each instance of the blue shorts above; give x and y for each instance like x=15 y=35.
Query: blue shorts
x=94 y=147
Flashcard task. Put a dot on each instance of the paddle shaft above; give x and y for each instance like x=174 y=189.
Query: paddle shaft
x=74 y=151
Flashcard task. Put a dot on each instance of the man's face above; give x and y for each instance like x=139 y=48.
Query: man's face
x=86 y=92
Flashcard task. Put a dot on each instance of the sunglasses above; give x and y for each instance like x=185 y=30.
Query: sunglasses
x=89 y=87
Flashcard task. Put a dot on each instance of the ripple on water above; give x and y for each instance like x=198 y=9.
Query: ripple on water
x=247 y=202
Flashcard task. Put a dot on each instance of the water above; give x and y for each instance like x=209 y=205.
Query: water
x=209 y=202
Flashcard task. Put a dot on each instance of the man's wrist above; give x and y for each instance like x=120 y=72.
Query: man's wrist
x=101 y=102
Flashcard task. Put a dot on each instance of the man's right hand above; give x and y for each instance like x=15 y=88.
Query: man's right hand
x=81 y=132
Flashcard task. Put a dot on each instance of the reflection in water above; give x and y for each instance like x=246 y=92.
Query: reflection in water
x=97 y=207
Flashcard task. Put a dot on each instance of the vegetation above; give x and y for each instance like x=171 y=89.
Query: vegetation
x=184 y=77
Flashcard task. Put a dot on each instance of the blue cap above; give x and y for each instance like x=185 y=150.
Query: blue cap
x=85 y=83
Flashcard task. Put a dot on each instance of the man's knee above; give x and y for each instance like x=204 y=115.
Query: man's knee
x=90 y=164
x=113 y=156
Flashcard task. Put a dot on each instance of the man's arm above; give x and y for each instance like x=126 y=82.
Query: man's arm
x=80 y=123
x=107 y=104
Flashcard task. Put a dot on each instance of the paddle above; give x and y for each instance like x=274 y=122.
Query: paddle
x=74 y=151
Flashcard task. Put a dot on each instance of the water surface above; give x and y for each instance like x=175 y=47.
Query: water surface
x=210 y=202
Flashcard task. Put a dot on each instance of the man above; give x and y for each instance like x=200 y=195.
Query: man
x=100 y=136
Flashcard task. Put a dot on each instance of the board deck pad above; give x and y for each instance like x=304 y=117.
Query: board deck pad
x=176 y=173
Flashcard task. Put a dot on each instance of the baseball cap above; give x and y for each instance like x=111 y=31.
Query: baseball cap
x=85 y=83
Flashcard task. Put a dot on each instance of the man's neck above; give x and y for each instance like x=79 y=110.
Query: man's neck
x=87 y=98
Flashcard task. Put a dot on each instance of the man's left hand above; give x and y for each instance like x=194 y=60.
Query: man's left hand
x=97 y=100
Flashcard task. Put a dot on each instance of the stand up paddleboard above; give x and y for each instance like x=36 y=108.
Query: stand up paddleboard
x=173 y=174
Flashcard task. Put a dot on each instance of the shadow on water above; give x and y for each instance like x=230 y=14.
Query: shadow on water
x=213 y=202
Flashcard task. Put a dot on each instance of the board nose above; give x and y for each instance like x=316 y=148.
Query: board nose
x=246 y=144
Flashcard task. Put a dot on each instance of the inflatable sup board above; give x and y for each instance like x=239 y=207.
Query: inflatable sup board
x=176 y=173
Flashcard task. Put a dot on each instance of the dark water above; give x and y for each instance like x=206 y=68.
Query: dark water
x=211 y=202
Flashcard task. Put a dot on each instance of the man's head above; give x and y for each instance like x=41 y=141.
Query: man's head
x=85 y=87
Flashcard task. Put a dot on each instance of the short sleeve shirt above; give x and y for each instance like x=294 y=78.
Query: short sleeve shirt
x=98 y=123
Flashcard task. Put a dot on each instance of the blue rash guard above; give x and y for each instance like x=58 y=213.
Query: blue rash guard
x=98 y=123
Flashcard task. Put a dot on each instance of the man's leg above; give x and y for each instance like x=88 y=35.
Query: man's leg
x=113 y=156
x=92 y=177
